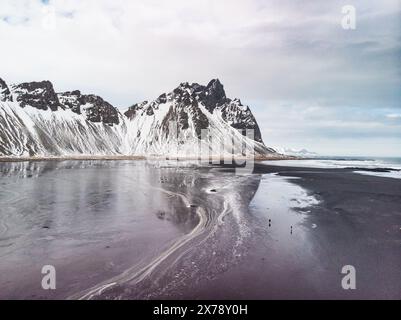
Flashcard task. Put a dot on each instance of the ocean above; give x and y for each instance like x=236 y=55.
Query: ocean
x=389 y=167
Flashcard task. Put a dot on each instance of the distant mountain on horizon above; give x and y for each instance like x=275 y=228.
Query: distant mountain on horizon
x=304 y=153
x=35 y=120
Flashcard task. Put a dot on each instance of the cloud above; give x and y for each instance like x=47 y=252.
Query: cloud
x=394 y=115
x=286 y=52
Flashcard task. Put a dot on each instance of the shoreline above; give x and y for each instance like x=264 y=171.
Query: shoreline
x=64 y=158
x=136 y=157
x=355 y=220
x=117 y=245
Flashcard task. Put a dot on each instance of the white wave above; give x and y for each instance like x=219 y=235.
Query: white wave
x=335 y=164
x=391 y=174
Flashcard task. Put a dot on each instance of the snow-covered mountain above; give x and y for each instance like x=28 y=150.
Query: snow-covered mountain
x=37 y=121
x=303 y=153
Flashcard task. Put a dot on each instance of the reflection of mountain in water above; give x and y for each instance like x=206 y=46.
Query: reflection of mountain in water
x=100 y=187
x=219 y=244
x=58 y=211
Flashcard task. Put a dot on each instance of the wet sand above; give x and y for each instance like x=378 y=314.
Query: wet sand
x=357 y=222
x=286 y=234
x=91 y=220
x=164 y=230
x=115 y=225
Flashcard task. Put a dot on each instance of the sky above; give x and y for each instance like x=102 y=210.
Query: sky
x=310 y=83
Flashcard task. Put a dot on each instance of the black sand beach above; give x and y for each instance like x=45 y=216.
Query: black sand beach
x=165 y=231
x=357 y=222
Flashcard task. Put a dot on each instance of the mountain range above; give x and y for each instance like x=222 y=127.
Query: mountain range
x=35 y=120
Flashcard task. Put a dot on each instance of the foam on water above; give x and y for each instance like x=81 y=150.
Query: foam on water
x=391 y=174
x=336 y=163
x=361 y=165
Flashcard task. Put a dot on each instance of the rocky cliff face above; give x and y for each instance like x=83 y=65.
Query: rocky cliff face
x=5 y=94
x=191 y=117
x=39 y=95
x=94 y=107
x=186 y=102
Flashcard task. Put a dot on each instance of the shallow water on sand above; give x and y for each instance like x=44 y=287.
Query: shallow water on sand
x=120 y=225
x=83 y=217
x=165 y=229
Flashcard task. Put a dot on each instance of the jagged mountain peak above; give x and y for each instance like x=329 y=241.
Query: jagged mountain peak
x=187 y=100
x=178 y=123
x=216 y=88
x=41 y=95
x=37 y=94
x=188 y=94
x=211 y=95
x=181 y=120
x=35 y=86
x=213 y=86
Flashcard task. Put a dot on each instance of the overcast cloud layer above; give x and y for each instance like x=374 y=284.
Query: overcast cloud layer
x=310 y=83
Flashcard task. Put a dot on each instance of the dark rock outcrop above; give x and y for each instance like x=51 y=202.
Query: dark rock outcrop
x=135 y=109
x=100 y=110
x=240 y=117
x=5 y=94
x=94 y=107
x=72 y=100
x=39 y=95
x=213 y=95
